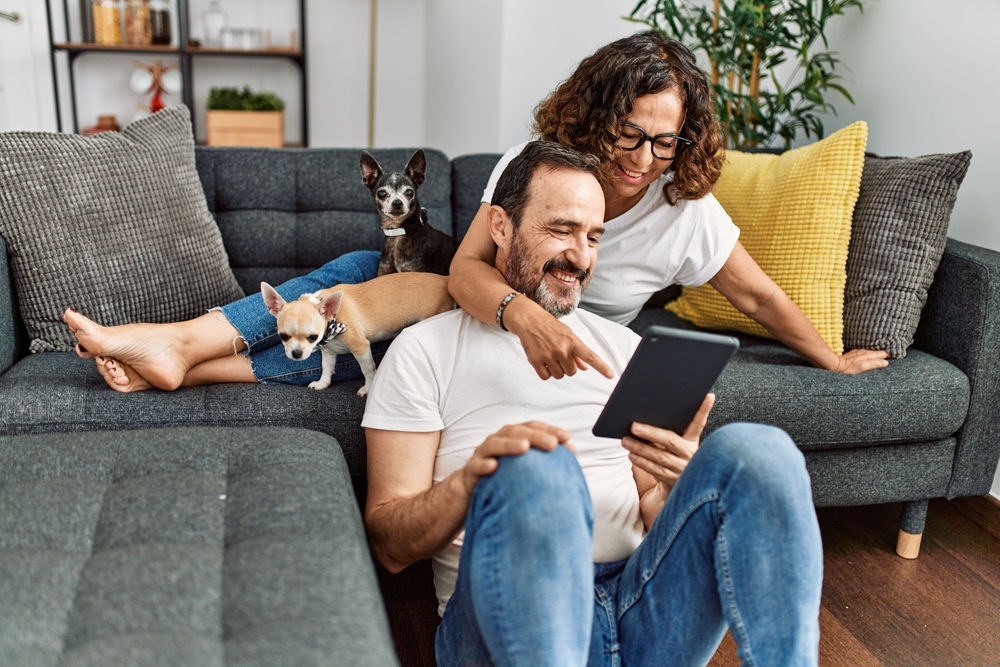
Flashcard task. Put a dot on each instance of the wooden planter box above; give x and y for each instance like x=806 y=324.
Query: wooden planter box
x=246 y=128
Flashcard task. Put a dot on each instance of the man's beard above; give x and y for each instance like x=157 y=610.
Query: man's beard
x=559 y=301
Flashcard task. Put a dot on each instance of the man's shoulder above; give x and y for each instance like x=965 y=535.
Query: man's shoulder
x=440 y=324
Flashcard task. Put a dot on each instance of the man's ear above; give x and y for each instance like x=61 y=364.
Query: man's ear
x=500 y=225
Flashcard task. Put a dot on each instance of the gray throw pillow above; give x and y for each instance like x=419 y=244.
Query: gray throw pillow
x=114 y=225
x=897 y=239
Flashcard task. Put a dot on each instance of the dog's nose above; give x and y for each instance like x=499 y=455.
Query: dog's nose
x=297 y=354
x=397 y=204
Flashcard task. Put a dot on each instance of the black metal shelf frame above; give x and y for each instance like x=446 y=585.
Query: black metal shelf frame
x=185 y=55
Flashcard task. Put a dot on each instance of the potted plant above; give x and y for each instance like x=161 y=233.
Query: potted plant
x=745 y=42
x=244 y=118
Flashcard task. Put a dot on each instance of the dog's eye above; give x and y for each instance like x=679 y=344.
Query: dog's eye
x=284 y=337
x=313 y=338
x=408 y=193
x=382 y=194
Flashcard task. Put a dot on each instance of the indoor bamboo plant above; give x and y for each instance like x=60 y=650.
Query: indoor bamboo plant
x=759 y=103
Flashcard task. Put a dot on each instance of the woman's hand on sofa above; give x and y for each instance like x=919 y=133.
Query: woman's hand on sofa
x=859 y=361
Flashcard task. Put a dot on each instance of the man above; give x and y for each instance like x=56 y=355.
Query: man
x=577 y=549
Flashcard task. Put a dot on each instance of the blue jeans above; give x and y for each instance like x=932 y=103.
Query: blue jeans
x=258 y=327
x=736 y=545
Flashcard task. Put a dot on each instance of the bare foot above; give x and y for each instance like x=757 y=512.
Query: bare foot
x=121 y=377
x=148 y=351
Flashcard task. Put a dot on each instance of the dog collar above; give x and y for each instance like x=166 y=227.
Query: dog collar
x=398 y=231
x=333 y=329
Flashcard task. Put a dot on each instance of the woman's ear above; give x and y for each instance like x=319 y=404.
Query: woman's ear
x=500 y=225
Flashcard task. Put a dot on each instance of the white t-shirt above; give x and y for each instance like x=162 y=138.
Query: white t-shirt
x=651 y=246
x=454 y=374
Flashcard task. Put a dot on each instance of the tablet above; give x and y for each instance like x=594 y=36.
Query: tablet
x=665 y=381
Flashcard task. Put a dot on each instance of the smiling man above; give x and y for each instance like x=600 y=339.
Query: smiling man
x=577 y=549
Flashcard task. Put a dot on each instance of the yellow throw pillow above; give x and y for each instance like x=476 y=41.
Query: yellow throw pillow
x=794 y=213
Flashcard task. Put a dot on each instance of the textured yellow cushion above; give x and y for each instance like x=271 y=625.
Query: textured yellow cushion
x=794 y=214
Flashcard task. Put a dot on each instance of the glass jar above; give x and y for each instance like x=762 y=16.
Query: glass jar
x=86 y=22
x=107 y=22
x=138 y=31
x=159 y=21
x=214 y=20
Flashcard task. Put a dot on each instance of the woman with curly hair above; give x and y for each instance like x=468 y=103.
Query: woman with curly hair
x=642 y=106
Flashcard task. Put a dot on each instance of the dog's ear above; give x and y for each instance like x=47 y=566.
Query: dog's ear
x=329 y=306
x=416 y=167
x=272 y=299
x=370 y=169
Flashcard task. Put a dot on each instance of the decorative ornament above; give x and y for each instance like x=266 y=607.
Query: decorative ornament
x=155 y=79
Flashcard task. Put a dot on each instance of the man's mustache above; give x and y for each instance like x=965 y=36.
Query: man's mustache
x=565 y=267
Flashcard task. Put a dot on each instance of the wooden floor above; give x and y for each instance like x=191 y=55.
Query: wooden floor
x=940 y=610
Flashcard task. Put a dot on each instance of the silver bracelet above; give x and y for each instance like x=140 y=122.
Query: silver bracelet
x=503 y=304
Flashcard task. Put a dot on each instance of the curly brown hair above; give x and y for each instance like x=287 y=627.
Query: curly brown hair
x=586 y=111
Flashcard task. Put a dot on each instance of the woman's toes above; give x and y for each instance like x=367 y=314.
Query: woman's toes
x=121 y=377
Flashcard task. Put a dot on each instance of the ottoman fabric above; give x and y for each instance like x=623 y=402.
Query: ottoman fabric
x=190 y=546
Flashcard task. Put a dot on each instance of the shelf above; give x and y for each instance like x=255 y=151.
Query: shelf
x=273 y=51
x=183 y=51
x=82 y=47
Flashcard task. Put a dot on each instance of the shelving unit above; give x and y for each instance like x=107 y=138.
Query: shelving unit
x=185 y=54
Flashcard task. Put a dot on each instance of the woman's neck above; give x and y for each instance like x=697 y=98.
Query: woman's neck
x=616 y=205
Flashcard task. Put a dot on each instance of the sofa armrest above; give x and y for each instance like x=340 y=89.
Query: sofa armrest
x=961 y=324
x=13 y=338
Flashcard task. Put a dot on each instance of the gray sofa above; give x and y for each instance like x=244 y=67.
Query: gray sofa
x=926 y=427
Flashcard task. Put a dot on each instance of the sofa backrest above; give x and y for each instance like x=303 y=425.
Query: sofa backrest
x=283 y=213
x=469 y=175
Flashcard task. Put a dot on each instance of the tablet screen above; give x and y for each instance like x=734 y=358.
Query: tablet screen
x=666 y=380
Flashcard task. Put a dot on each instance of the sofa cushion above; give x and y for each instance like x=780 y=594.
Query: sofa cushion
x=184 y=547
x=283 y=213
x=58 y=391
x=915 y=399
x=794 y=214
x=114 y=225
x=898 y=237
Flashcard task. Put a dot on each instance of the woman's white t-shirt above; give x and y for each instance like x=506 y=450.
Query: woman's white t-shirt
x=651 y=246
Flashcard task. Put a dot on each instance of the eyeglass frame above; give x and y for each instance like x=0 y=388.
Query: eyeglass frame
x=681 y=142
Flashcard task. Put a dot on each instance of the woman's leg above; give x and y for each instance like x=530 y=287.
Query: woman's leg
x=161 y=355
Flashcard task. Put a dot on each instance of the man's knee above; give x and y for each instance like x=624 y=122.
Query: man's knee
x=537 y=477
x=765 y=453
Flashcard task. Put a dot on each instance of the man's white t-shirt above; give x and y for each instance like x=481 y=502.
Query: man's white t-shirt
x=454 y=374
x=651 y=246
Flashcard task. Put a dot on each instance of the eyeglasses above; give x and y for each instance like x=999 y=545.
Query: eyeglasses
x=665 y=146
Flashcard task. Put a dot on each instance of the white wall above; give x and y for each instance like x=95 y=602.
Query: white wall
x=922 y=75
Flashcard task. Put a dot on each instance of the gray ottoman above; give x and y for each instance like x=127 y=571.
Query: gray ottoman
x=187 y=546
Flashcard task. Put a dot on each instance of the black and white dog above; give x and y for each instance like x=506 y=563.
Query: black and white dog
x=410 y=243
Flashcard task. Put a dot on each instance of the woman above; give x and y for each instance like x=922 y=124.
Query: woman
x=642 y=106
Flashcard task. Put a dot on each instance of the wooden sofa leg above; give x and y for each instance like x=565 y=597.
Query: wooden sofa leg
x=911 y=528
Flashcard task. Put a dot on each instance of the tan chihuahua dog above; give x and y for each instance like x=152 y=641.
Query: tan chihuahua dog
x=348 y=318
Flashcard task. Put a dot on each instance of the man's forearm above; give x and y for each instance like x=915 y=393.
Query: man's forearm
x=405 y=530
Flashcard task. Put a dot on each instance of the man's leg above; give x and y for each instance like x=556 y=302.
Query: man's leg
x=737 y=543
x=525 y=586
